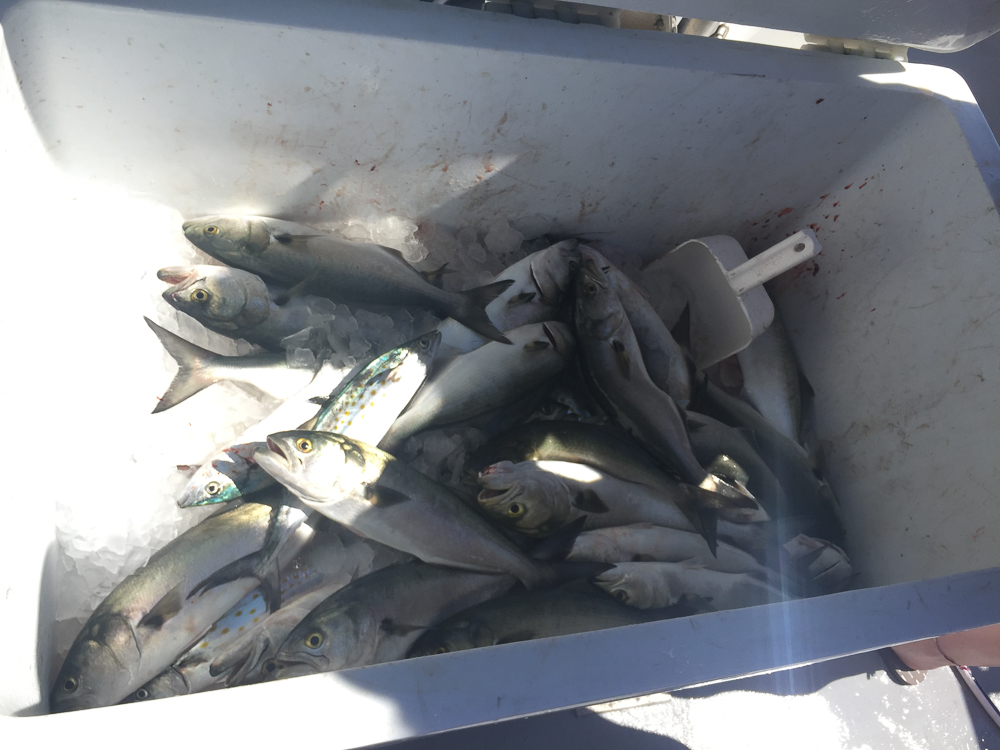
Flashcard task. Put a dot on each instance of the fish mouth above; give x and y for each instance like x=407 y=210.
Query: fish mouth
x=275 y=448
x=489 y=496
x=187 y=225
x=305 y=664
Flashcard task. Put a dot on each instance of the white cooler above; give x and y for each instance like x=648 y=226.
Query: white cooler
x=119 y=120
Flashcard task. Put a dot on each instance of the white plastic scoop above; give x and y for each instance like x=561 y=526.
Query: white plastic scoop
x=728 y=305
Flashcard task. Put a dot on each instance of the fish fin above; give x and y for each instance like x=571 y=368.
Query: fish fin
x=392 y=627
x=164 y=609
x=319 y=400
x=681 y=331
x=693 y=563
x=194 y=367
x=534 y=346
x=384 y=497
x=175 y=274
x=472 y=312
x=703 y=498
x=588 y=501
x=518 y=636
x=557 y=545
x=239 y=658
x=287 y=238
x=520 y=299
x=435 y=277
x=294 y=291
x=245 y=567
x=708 y=525
x=621 y=356
x=724 y=467
x=309 y=424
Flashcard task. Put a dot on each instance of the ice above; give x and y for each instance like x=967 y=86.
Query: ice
x=441 y=454
x=301 y=358
x=359 y=345
x=503 y=241
x=533 y=226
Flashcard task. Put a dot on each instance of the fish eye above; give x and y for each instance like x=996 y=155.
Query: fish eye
x=211 y=230
x=590 y=288
x=70 y=684
x=269 y=666
x=314 y=640
x=439 y=650
x=620 y=594
x=304 y=445
x=200 y=295
x=424 y=343
x=141 y=694
x=515 y=510
x=212 y=488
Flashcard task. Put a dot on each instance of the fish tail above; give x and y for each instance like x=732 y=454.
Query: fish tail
x=472 y=310
x=194 y=367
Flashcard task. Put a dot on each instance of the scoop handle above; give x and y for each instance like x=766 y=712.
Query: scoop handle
x=787 y=254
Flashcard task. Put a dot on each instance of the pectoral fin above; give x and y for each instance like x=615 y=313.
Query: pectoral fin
x=587 y=500
x=164 y=609
x=286 y=238
x=289 y=294
x=384 y=497
x=621 y=356
x=391 y=627
x=520 y=299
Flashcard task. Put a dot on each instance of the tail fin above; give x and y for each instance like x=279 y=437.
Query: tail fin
x=472 y=312
x=194 y=367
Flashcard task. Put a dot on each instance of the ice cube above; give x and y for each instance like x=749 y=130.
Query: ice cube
x=502 y=240
x=300 y=358
x=372 y=321
x=298 y=340
x=359 y=345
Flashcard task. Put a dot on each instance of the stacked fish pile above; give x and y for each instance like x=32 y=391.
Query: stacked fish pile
x=544 y=461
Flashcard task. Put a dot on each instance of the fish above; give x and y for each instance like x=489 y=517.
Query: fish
x=198 y=368
x=365 y=407
x=665 y=361
x=190 y=673
x=608 y=449
x=166 y=606
x=368 y=406
x=825 y=566
x=378 y=617
x=231 y=473
x=322 y=568
x=237 y=303
x=771 y=379
x=808 y=495
x=488 y=378
x=379 y=497
x=614 y=371
x=524 y=617
x=618 y=379
x=541 y=283
x=646 y=542
x=538 y=497
x=343 y=270
x=663 y=584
